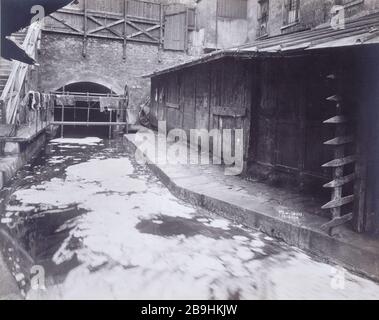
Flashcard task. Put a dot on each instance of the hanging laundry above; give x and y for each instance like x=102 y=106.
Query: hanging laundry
x=31 y=100
x=66 y=100
x=43 y=101
x=103 y=104
x=27 y=102
x=37 y=99
x=114 y=103
x=109 y=103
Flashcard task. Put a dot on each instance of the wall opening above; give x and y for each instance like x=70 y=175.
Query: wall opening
x=84 y=111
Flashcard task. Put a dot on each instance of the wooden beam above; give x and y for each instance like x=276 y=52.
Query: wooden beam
x=110 y=16
x=125 y=29
x=161 y=23
x=335 y=98
x=107 y=27
x=100 y=36
x=172 y=105
x=141 y=30
x=337 y=222
x=186 y=32
x=340 y=141
x=66 y=24
x=339 y=202
x=361 y=169
x=229 y=112
x=340 y=162
x=133 y=35
x=80 y=123
x=337 y=120
x=340 y=181
x=85 y=29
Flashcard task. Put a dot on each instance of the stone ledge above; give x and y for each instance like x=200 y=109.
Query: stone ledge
x=223 y=195
x=9 y=165
x=8 y=286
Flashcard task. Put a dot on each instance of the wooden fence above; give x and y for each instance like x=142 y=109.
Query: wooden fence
x=127 y=21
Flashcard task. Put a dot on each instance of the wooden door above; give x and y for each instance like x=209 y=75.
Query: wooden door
x=202 y=98
x=175 y=30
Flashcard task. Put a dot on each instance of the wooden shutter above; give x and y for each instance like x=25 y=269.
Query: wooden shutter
x=175 y=31
x=285 y=11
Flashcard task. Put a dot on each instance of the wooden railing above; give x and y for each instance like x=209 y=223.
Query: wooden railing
x=17 y=84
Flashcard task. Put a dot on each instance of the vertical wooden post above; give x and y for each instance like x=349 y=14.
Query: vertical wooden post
x=161 y=23
x=37 y=111
x=62 y=127
x=85 y=29
x=303 y=133
x=339 y=153
x=75 y=113
x=361 y=170
x=186 y=31
x=3 y=115
x=110 y=125
x=88 y=109
x=361 y=183
x=340 y=161
x=125 y=28
x=216 y=29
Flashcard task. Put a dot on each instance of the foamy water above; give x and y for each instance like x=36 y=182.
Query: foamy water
x=137 y=241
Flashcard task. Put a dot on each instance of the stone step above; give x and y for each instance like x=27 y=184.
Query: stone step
x=4 y=73
x=5 y=65
x=18 y=37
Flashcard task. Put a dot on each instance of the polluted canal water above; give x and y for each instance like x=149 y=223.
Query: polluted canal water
x=95 y=224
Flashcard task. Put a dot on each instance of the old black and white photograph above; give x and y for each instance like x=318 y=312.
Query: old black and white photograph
x=189 y=150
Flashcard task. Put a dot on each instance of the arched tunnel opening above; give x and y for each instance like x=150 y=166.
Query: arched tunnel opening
x=88 y=111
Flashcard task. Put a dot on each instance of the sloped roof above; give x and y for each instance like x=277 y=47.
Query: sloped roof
x=362 y=31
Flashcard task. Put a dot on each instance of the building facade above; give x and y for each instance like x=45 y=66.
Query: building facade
x=306 y=102
x=226 y=23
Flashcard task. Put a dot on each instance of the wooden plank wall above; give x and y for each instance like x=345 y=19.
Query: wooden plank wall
x=288 y=119
x=176 y=31
x=211 y=96
x=365 y=94
x=234 y=9
x=285 y=106
x=126 y=20
x=135 y=8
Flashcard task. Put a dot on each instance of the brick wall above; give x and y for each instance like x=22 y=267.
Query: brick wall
x=62 y=63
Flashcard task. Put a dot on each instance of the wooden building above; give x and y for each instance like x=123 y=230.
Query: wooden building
x=308 y=105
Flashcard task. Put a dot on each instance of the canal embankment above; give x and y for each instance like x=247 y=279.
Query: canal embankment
x=279 y=213
x=15 y=153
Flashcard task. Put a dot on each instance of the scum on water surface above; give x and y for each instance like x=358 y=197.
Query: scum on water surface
x=103 y=226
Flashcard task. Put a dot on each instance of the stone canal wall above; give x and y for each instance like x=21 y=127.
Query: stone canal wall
x=16 y=154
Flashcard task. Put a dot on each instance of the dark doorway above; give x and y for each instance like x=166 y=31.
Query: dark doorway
x=85 y=112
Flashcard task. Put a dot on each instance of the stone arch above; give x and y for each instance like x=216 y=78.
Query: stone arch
x=103 y=80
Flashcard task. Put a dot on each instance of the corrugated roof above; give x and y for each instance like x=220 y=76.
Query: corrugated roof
x=362 y=31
